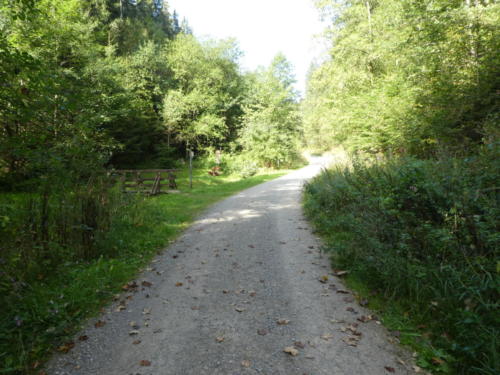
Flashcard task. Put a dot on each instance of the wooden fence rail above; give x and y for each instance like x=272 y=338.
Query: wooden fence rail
x=147 y=181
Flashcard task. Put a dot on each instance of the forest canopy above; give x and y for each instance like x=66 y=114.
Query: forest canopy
x=406 y=77
x=92 y=84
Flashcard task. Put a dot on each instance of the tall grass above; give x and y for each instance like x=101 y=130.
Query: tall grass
x=41 y=230
x=426 y=233
x=65 y=254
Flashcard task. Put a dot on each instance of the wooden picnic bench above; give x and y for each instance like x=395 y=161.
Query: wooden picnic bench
x=147 y=181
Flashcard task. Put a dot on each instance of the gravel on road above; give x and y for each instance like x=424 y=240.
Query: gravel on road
x=245 y=290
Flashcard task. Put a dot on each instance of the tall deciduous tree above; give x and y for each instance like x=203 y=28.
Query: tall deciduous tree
x=203 y=108
x=271 y=119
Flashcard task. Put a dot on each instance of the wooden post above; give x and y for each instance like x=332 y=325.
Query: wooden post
x=156 y=184
x=191 y=155
x=217 y=157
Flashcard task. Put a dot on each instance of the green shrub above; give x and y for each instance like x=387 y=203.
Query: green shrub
x=427 y=234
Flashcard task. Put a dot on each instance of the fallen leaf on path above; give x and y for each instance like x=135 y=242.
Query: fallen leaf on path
x=239 y=309
x=134 y=325
x=146 y=311
x=323 y=279
x=348 y=299
x=179 y=283
x=252 y=293
x=220 y=339
x=351 y=309
x=291 y=350
x=145 y=363
x=245 y=363
x=342 y=291
x=147 y=284
x=351 y=340
x=130 y=286
x=251 y=246
x=195 y=307
x=262 y=332
x=225 y=291
x=99 y=324
x=133 y=332
x=136 y=342
x=66 y=347
x=282 y=322
x=327 y=336
x=365 y=318
x=83 y=338
x=389 y=369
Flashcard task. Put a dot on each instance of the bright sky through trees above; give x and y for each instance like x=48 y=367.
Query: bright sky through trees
x=262 y=28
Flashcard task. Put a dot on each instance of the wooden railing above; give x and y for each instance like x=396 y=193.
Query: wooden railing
x=147 y=181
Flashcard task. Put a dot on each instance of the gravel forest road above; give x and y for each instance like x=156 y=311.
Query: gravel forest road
x=243 y=283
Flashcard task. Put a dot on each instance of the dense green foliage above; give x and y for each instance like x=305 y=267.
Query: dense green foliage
x=411 y=89
x=86 y=86
x=426 y=234
x=271 y=118
x=93 y=84
x=406 y=76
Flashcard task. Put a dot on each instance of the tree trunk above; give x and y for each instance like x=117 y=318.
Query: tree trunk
x=369 y=12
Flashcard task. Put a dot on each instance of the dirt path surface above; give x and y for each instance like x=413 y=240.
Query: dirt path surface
x=210 y=304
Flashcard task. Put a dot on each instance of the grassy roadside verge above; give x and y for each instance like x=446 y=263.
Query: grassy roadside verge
x=420 y=240
x=44 y=313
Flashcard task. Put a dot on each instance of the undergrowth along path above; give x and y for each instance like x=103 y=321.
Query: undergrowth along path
x=243 y=290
